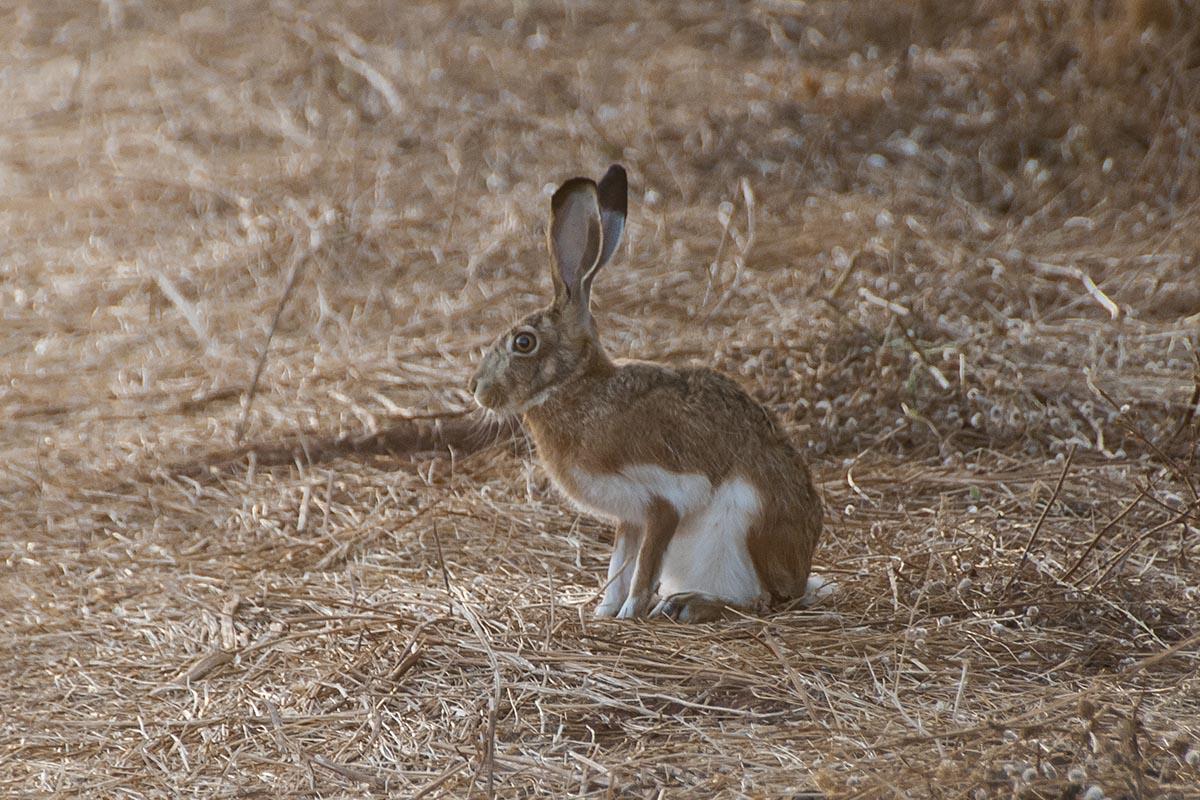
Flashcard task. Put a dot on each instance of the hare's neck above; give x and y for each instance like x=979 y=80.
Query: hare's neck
x=556 y=423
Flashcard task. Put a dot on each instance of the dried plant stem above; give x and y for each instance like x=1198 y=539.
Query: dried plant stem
x=1033 y=534
x=293 y=273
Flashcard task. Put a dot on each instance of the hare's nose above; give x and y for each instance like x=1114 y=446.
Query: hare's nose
x=471 y=384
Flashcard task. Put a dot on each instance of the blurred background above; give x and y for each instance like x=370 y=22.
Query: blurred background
x=1013 y=184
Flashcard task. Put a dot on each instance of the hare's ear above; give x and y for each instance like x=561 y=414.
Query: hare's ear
x=613 y=194
x=575 y=239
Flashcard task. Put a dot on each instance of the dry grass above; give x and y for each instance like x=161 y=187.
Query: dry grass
x=953 y=244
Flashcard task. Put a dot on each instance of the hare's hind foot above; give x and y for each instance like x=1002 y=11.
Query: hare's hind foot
x=700 y=607
x=691 y=607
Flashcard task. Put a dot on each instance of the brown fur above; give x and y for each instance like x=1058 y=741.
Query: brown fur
x=585 y=411
x=662 y=520
x=606 y=416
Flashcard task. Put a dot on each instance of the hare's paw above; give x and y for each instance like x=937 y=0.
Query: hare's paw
x=634 y=606
x=607 y=609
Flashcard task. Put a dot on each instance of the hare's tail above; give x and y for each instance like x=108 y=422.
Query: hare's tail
x=817 y=590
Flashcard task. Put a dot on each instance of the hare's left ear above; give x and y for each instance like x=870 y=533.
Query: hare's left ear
x=613 y=194
x=575 y=236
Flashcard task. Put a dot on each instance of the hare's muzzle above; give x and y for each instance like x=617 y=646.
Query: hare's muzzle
x=487 y=385
x=480 y=389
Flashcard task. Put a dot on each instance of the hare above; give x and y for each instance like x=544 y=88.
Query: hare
x=713 y=507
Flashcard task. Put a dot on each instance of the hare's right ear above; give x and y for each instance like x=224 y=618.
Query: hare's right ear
x=575 y=236
x=613 y=193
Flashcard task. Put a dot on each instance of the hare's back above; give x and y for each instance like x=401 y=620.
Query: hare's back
x=694 y=420
x=693 y=397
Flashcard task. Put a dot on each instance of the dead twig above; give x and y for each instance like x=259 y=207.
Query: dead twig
x=293 y=273
x=1062 y=476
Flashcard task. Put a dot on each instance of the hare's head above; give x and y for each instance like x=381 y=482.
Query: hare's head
x=542 y=351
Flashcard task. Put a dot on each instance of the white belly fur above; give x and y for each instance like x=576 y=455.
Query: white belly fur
x=708 y=552
x=624 y=496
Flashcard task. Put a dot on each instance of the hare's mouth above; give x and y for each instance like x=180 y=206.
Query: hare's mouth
x=491 y=398
x=483 y=397
x=496 y=398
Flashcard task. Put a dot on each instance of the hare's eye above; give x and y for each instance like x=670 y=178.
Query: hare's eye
x=524 y=343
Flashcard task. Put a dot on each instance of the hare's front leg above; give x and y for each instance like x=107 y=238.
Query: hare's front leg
x=620 y=569
x=661 y=522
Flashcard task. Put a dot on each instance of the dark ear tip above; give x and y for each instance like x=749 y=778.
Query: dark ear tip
x=615 y=173
x=614 y=188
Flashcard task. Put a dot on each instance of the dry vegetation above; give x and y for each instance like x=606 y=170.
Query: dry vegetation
x=953 y=244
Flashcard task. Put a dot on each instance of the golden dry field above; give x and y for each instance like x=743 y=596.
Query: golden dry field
x=954 y=245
